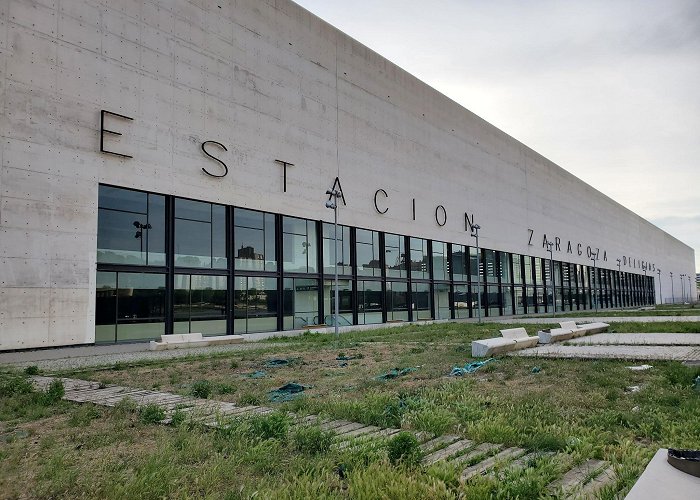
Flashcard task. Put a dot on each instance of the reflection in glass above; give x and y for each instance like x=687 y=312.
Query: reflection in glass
x=504 y=268
x=461 y=301
x=527 y=269
x=130 y=227
x=395 y=255
x=140 y=306
x=369 y=302
x=299 y=244
x=254 y=304
x=420 y=301
x=420 y=264
x=106 y=307
x=474 y=264
x=517 y=269
x=441 y=270
x=475 y=303
x=367 y=248
x=396 y=301
x=494 y=300
x=442 y=301
x=490 y=266
x=460 y=262
x=507 y=300
x=344 y=263
x=300 y=303
x=199 y=304
x=519 y=300
x=254 y=240
x=200 y=234
x=344 y=302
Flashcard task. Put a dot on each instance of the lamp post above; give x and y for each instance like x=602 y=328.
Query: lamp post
x=673 y=295
x=333 y=205
x=595 y=284
x=475 y=234
x=551 y=275
x=682 y=287
x=661 y=297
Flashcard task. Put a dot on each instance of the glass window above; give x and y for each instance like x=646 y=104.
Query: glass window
x=461 y=301
x=527 y=269
x=519 y=300
x=441 y=270
x=200 y=234
x=344 y=263
x=504 y=258
x=254 y=240
x=459 y=263
x=395 y=255
x=254 y=304
x=507 y=300
x=441 y=296
x=420 y=263
x=300 y=303
x=538 y=271
x=344 y=302
x=420 y=301
x=106 y=307
x=396 y=301
x=474 y=264
x=494 y=300
x=369 y=302
x=299 y=243
x=140 y=306
x=475 y=300
x=368 y=258
x=530 y=298
x=199 y=304
x=490 y=266
x=130 y=227
x=557 y=274
x=541 y=299
x=517 y=270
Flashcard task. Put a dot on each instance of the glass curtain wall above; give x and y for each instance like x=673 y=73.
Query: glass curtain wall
x=173 y=265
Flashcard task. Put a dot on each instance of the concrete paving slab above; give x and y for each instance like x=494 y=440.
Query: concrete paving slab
x=662 y=480
x=630 y=352
x=638 y=339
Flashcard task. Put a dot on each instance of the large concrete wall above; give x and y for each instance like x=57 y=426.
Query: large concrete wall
x=270 y=81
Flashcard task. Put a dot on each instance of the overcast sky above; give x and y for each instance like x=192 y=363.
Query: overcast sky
x=608 y=90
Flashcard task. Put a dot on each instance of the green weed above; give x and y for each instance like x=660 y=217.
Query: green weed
x=404 y=449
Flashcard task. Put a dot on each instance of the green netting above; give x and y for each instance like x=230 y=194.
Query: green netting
x=458 y=371
x=396 y=372
x=287 y=392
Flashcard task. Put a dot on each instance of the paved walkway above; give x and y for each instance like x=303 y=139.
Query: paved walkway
x=71 y=358
x=631 y=352
x=578 y=480
x=603 y=319
x=690 y=339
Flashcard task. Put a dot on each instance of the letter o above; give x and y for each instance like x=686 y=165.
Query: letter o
x=376 y=206
x=589 y=251
x=439 y=209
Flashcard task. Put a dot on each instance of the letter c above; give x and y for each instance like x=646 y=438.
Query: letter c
x=375 y=201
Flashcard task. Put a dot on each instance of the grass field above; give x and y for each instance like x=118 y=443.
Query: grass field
x=579 y=409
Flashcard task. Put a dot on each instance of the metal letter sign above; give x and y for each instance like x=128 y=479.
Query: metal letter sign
x=214 y=158
x=104 y=131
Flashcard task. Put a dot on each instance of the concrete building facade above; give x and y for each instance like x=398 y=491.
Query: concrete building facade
x=164 y=166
